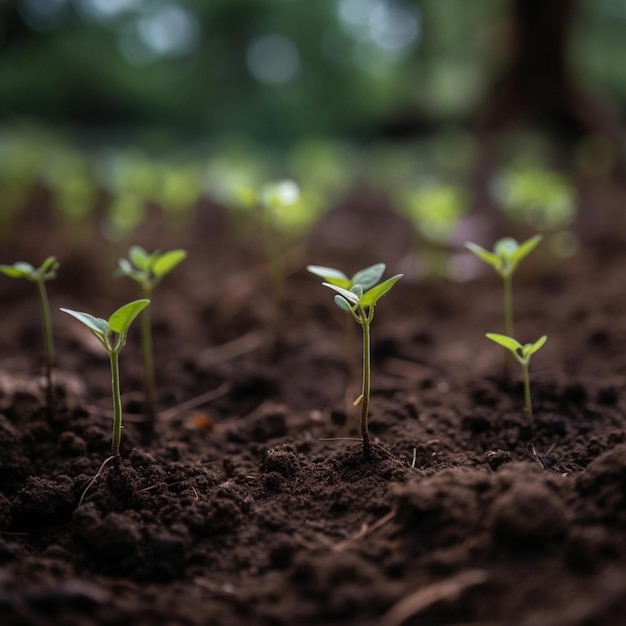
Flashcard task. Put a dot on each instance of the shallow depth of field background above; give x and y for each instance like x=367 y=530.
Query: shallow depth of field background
x=207 y=97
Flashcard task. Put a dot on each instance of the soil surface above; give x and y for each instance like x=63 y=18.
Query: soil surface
x=253 y=503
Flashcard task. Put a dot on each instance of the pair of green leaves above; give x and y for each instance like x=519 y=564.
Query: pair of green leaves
x=46 y=271
x=149 y=269
x=507 y=253
x=112 y=332
x=359 y=291
x=521 y=352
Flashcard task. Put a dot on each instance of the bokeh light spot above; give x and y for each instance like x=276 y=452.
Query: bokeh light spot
x=273 y=59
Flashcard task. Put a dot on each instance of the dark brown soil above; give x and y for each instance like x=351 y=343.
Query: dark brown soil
x=254 y=503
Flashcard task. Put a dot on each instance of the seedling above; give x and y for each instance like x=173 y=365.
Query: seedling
x=506 y=255
x=434 y=209
x=281 y=206
x=358 y=297
x=522 y=354
x=148 y=270
x=112 y=335
x=39 y=276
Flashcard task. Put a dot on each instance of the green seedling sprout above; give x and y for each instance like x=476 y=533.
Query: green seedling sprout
x=522 y=354
x=46 y=271
x=506 y=256
x=277 y=201
x=148 y=270
x=111 y=334
x=358 y=296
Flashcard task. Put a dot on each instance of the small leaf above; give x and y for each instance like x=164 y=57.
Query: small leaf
x=124 y=267
x=348 y=295
x=505 y=341
x=96 y=325
x=375 y=293
x=534 y=347
x=13 y=272
x=526 y=248
x=165 y=263
x=484 y=255
x=357 y=290
x=26 y=268
x=342 y=303
x=48 y=265
x=506 y=249
x=139 y=257
x=369 y=276
x=330 y=275
x=121 y=319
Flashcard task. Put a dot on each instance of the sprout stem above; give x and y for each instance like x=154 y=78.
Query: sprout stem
x=148 y=365
x=508 y=305
x=47 y=339
x=527 y=398
x=365 y=391
x=117 y=404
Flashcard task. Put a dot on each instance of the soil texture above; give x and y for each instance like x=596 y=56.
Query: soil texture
x=253 y=503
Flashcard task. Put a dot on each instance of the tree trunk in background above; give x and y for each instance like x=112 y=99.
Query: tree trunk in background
x=538 y=86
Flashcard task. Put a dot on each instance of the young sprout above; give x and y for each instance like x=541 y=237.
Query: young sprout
x=280 y=204
x=522 y=354
x=39 y=276
x=148 y=270
x=112 y=335
x=506 y=255
x=358 y=296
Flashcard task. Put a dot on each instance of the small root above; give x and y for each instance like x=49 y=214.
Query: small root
x=93 y=480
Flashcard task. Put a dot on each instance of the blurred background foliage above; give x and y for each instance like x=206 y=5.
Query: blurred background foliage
x=274 y=70
x=114 y=107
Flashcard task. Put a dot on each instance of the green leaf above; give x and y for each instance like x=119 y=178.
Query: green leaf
x=121 y=319
x=357 y=290
x=48 y=265
x=506 y=249
x=348 y=295
x=342 y=303
x=505 y=341
x=125 y=268
x=13 y=272
x=139 y=257
x=95 y=324
x=166 y=262
x=26 y=268
x=369 y=276
x=375 y=293
x=330 y=275
x=531 y=348
x=484 y=255
x=526 y=248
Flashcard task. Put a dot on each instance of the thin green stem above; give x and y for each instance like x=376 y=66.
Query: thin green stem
x=148 y=362
x=365 y=403
x=47 y=339
x=508 y=305
x=527 y=398
x=117 y=404
x=274 y=258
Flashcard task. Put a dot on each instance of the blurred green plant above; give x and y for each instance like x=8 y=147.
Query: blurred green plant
x=148 y=270
x=358 y=297
x=434 y=209
x=506 y=256
x=539 y=197
x=39 y=276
